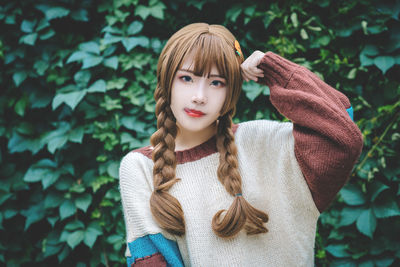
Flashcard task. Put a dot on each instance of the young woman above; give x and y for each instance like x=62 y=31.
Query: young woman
x=211 y=193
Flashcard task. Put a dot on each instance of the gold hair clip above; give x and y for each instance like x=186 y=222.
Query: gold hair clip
x=238 y=51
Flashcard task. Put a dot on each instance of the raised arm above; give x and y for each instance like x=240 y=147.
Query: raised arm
x=327 y=141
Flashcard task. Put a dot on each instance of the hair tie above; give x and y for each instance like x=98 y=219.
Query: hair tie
x=238 y=51
x=238 y=194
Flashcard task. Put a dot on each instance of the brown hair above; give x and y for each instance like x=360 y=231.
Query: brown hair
x=210 y=45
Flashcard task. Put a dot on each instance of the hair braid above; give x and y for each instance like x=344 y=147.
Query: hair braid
x=240 y=214
x=165 y=208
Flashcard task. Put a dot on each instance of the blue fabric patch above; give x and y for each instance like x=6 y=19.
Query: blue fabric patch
x=151 y=244
x=129 y=261
x=350 y=111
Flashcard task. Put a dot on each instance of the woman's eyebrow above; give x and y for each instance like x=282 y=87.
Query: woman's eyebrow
x=211 y=75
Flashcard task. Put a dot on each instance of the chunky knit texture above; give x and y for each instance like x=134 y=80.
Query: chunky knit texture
x=292 y=171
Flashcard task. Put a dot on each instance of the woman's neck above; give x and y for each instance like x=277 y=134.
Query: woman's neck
x=187 y=139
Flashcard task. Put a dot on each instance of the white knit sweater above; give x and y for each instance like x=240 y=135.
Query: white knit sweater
x=272 y=182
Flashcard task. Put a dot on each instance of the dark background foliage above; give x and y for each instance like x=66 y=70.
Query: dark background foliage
x=76 y=95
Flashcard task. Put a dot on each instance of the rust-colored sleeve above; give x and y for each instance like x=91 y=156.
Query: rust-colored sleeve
x=327 y=142
x=155 y=260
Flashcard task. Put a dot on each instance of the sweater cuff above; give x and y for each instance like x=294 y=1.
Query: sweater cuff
x=277 y=70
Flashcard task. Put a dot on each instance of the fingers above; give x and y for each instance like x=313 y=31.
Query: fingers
x=252 y=73
x=249 y=67
x=252 y=76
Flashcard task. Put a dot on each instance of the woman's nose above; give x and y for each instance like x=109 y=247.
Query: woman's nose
x=199 y=95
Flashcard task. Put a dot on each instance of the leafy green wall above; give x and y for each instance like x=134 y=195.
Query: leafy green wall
x=77 y=79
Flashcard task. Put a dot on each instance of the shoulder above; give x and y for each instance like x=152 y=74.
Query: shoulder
x=136 y=168
x=136 y=156
x=265 y=138
x=265 y=129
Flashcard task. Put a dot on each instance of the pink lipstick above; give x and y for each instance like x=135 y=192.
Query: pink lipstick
x=194 y=113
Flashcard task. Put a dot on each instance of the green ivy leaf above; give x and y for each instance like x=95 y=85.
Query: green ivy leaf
x=97 y=86
x=111 y=39
x=18 y=143
x=52 y=220
x=343 y=263
x=75 y=238
x=386 y=206
x=28 y=26
x=366 y=223
x=112 y=239
x=233 y=13
x=113 y=169
x=90 y=47
x=349 y=215
x=83 y=201
x=74 y=225
x=72 y=99
x=77 y=56
x=117 y=83
x=43 y=23
x=41 y=66
x=100 y=181
x=80 y=15
x=19 y=77
x=111 y=62
x=67 y=209
x=34 y=214
x=133 y=124
x=338 y=250
x=47 y=34
x=303 y=34
x=53 y=199
x=370 y=50
x=253 y=90
x=21 y=105
x=294 y=19
x=44 y=171
x=64 y=183
x=376 y=188
x=91 y=235
x=76 y=135
x=131 y=42
x=135 y=27
x=56 y=143
x=365 y=60
x=64 y=253
x=384 y=63
x=352 y=195
x=3 y=198
x=56 y=12
x=142 y=11
x=156 y=11
x=384 y=262
x=82 y=78
x=91 y=61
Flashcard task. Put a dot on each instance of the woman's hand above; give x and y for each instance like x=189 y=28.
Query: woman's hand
x=249 y=67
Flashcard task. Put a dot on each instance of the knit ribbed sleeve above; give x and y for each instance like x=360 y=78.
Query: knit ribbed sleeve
x=135 y=186
x=327 y=142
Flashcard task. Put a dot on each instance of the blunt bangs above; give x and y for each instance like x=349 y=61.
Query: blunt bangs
x=209 y=50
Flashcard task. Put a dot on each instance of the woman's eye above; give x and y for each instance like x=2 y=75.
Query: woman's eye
x=218 y=83
x=186 y=78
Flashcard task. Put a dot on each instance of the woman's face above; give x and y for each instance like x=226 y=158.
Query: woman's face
x=196 y=101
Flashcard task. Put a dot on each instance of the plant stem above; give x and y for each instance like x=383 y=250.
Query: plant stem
x=369 y=154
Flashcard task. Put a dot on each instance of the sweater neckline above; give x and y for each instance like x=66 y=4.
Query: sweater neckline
x=200 y=151
x=191 y=154
x=197 y=152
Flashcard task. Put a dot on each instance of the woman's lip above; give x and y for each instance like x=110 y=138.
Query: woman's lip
x=193 y=112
